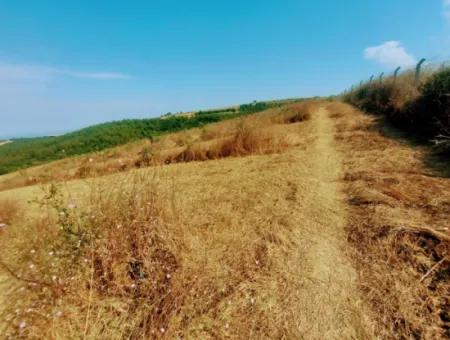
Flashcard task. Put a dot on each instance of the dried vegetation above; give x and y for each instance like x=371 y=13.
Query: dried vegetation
x=399 y=227
x=261 y=133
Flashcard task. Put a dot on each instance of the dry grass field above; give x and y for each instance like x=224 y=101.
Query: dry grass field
x=399 y=225
x=300 y=223
x=266 y=132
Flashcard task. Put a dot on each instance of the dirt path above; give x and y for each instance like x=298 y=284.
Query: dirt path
x=333 y=310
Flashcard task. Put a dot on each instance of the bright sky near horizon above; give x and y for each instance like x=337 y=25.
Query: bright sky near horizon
x=69 y=64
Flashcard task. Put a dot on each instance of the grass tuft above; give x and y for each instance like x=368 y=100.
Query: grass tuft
x=9 y=211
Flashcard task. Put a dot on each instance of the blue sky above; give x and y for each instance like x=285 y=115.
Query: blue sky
x=69 y=64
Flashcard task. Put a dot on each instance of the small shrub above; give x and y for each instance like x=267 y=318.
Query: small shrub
x=145 y=157
x=84 y=171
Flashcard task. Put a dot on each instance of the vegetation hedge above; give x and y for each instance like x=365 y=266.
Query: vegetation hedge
x=422 y=109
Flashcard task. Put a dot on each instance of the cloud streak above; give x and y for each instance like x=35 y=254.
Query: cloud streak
x=94 y=75
x=9 y=71
x=390 y=55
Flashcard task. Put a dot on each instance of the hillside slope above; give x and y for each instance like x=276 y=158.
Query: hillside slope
x=340 y=234
x=26 y=152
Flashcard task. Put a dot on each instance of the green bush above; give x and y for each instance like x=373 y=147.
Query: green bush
x=436 y=99
x=232 y=110
x=375 y=98
x=254 y=107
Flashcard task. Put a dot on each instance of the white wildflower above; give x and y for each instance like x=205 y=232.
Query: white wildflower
x=22 y=324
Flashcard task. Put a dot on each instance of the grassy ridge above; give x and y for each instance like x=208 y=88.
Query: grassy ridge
x=243 y=135
x=423 y=109
x=27 y=152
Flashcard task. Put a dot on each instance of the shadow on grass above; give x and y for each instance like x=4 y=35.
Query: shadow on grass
x=438 y=163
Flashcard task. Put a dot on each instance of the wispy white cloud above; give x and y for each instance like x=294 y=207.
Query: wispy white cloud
x=95 y=75
x=10 y=71
x=446 y=9
x=390 y=54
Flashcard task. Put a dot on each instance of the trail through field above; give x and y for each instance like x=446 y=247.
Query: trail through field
x=269 y=232
x=332 y=308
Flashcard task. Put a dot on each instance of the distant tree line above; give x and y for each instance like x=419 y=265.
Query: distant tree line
x=217 y=111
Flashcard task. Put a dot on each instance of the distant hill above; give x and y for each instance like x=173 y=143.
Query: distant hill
x=26 y=152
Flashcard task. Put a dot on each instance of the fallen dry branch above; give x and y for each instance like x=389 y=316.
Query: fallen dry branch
x=422 y=230
x=432 y=269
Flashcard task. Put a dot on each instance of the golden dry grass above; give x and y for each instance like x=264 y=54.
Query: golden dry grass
x=260 y=133
x=9 y=211
x=343 y=234
x=243 y=247
x=399 y=227
x=226 y=265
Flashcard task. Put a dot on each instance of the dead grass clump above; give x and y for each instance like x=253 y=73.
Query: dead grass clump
x=9 y=211
x=244 y=140
x=297 y=112
x=114 y=260
x=337 y=110
x=250 y=141
x=408 y=280
x=83 y=171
